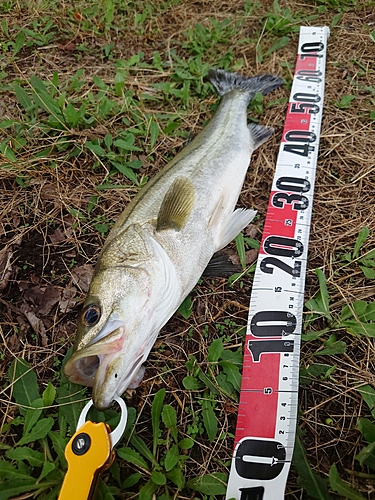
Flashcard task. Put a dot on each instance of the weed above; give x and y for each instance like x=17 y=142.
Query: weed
x=262 y=54
x=312 y=482
x=365 y=261
x=357 y=318
x=39 y=469
x=165 y=463
x=345 y=101
x=202 y=40
x=222 y=375
x=250 y=7
x=280 y=21
x=185 y=308
x=340 y=4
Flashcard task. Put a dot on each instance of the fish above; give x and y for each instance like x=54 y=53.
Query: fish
x=163 y=241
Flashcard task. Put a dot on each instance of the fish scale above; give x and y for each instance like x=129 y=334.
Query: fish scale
x=268 y=406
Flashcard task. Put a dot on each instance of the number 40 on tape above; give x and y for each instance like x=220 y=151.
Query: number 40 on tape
x=267 y=413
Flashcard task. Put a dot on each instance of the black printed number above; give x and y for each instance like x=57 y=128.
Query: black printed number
x=268 y=264
x=279 y=199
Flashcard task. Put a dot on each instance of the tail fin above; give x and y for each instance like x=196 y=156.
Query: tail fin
x=224 y=82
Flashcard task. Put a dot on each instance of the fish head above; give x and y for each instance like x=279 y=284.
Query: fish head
x=133 y=293
x=113 y=334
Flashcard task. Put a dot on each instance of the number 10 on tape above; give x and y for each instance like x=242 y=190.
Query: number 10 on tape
x=267 y=413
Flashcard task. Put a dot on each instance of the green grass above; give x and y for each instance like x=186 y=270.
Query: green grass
x=48 y=418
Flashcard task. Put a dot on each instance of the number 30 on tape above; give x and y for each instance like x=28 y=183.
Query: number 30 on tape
x=267 y=413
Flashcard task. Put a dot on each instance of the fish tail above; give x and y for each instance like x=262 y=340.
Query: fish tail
x=225 y=82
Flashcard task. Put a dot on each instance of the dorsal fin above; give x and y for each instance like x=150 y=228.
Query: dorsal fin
x=177 y=205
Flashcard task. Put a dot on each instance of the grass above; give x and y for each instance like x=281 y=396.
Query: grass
x=95 y=98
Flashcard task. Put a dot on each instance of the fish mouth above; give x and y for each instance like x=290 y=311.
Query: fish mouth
x=86 y=364
x=106 y=368
x=86 y=369
x=111 y=379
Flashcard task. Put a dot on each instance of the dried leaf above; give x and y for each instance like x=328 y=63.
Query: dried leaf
x=57 y=237
x=251 y=231
x=70 y=46
x=23 y=326
x=234 y=259
x=36 y=279
x=251 y=256
x=16 y=220
x=13 y=342
x=36 y=324
x=51 y=296
x=43 y=298
x=49 y=192
x=6 y=268
x=34 y=295
x=67 y=301
x=229 y=407
x=82 y=276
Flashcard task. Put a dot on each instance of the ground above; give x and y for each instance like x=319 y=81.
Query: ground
x=96 y=97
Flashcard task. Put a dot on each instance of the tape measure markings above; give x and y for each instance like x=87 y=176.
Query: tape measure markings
x=267 y=413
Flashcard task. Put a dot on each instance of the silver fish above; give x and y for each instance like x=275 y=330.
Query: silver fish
x=163 y=241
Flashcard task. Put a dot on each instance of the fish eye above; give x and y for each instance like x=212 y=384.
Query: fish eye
x=91 y=315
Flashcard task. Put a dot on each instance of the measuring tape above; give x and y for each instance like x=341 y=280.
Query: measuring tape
x=267 y=413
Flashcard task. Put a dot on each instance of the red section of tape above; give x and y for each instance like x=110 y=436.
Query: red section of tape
x=260 y=380
x=306 y=62
x=279 y=221
x=295 y=121
x=258 y=406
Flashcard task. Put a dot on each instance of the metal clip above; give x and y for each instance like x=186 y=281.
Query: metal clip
x=89 y=453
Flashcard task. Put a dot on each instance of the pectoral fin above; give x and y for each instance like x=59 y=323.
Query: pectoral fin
x=177 y=205
x=137 y=379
